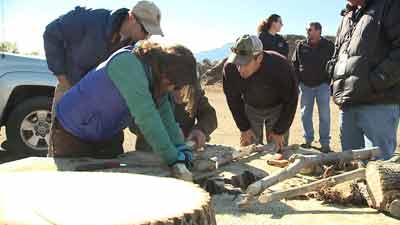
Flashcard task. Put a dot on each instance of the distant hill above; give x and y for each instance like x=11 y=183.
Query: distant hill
x=210 y=66
x=214 y=54
x=222 y=52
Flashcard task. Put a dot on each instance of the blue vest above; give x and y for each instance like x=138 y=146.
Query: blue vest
x=94 y=109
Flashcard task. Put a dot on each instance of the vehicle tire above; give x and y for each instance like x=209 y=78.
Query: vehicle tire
x=28 y=127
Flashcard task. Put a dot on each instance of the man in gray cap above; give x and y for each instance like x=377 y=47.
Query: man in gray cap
x=78 y=41
x=260 y=88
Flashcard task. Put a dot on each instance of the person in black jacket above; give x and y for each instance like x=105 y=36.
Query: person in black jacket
x=268 y=33
x=261 y=89
x=309 y=60
x=366 y=75
x=81 y=39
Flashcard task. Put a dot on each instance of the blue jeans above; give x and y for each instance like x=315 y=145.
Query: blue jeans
x=368 y=126
x=308 y=95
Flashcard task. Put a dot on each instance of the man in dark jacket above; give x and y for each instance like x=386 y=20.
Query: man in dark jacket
x=309 y=60
x=261 y=89
x=366 y=74
x=78 y=41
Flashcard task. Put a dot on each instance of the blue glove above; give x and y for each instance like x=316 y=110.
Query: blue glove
x=185 y=156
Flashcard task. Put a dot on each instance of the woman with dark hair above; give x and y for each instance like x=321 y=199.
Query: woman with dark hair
x=193 y=112
x=268 y=33
x=133 y=83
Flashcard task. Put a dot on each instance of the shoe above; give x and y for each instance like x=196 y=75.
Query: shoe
x=326 y=149
x=306 y=145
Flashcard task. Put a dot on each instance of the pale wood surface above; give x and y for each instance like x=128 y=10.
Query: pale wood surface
x=101 y=198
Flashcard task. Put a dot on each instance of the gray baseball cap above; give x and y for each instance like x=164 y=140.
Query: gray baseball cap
x=244 y=49
x=150 y=16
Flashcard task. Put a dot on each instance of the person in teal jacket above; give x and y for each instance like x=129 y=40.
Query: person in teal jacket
x=133 y=83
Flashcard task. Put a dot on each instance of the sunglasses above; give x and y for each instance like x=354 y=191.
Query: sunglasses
x=241 y=52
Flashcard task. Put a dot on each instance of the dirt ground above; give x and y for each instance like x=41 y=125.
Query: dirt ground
x=285 y=212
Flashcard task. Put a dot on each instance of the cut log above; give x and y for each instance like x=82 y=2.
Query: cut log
x=314 y=186
x=383 y=179
x=101 y=198
x=302 y=161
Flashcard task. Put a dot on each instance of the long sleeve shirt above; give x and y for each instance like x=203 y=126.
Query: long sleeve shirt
x=272 y=85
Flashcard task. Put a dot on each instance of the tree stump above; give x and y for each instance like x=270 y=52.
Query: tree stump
x=383 y=179
x=101 y=198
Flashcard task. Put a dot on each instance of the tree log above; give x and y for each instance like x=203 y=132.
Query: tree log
x=383 y=179
x=301 y=161
x=101 y=198
x=314 y=186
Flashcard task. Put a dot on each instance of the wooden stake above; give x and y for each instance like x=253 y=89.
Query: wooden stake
x=301 y=161
x=314 y=186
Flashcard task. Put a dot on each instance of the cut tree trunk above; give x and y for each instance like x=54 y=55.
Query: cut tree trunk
x=101 y=198
x=383 y=179
x=302 y=161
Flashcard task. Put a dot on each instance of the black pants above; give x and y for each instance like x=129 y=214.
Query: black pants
x=67 y=145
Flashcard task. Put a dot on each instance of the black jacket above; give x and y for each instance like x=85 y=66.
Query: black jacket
x=272 y=85
x=371 y=73
x=204 y=117
x=310 y=62
x=78 y=41
x=274 y=42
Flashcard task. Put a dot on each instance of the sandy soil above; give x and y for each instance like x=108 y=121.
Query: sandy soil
x=285 y=212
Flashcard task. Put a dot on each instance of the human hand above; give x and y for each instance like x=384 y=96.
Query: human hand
x=198 y=137
x=247 y=137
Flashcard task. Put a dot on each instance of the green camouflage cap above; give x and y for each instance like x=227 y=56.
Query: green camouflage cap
x=244 y=49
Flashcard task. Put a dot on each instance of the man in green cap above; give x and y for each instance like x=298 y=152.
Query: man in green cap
x=261 y=89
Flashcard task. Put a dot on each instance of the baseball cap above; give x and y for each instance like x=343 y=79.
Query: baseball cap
x=149 y=16
x=244 y=49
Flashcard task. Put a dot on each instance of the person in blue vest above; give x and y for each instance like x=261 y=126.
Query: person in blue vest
x=81 y=39
x=133 y=83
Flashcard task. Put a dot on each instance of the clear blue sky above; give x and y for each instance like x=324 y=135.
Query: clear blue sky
x=198 y=24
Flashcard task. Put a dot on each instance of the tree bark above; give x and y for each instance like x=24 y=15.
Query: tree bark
x=383 y=179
